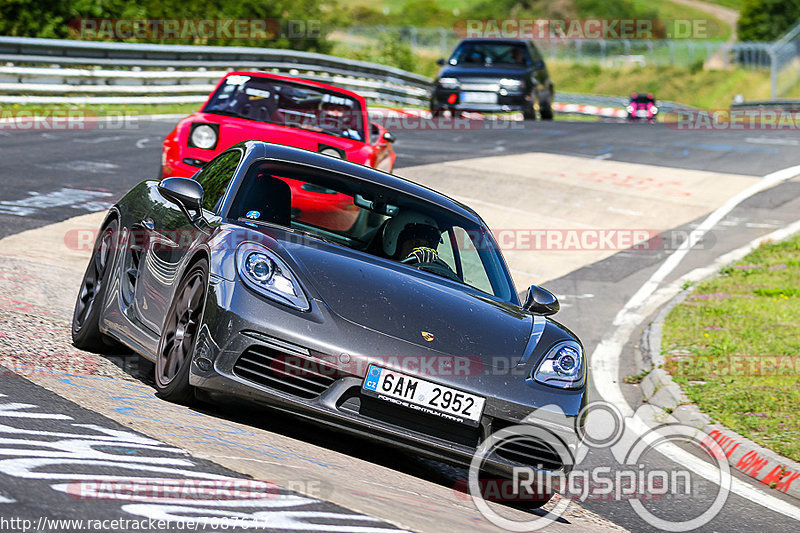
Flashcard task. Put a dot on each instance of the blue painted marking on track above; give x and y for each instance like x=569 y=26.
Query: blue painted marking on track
x=715 y=147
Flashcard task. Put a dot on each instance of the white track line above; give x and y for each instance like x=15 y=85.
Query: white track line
x=605 y=358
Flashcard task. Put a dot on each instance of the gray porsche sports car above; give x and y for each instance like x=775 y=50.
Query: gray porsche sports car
x=344 y=295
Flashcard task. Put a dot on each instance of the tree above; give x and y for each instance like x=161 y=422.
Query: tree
x=766 y=20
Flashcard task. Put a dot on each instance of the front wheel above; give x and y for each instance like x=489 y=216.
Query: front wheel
x=86 y=333
x=528 y=113
x=546 y=107
x=179 y=336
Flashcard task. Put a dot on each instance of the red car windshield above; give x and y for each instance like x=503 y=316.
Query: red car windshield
x=288 y=104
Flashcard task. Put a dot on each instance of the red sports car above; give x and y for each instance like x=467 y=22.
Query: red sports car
x=278 y=109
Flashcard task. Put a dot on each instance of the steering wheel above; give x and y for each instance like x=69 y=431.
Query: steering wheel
x=434 y=267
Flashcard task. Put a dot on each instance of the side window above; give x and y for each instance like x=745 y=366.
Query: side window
x=215 y=177
x=474 y=270
x=445 y=251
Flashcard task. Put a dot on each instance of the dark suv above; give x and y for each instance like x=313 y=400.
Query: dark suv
x=494 y=75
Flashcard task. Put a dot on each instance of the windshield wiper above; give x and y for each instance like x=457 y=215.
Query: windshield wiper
x=312 y=234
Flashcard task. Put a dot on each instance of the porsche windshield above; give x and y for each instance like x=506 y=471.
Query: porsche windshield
x=373 y=219
x=288 y=104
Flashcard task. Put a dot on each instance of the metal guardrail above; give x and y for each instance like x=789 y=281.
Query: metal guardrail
x=146 y=73
x=53 y=71
x=783 y=105
x=615 y=102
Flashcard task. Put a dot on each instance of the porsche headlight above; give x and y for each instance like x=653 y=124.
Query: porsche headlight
x=654 y=110
x=264 y=272
x=204 y=136
x=563 y=366
x=448 y=83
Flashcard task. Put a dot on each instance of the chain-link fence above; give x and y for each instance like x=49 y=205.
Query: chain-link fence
x=781 y=58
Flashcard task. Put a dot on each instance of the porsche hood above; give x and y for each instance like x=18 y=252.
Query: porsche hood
x=396 y=300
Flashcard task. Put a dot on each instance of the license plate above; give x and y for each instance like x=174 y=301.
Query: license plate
x=478 y=98
x=641 y=113
x=422 y=395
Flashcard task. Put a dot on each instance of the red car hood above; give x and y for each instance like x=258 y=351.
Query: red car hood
x=233 y=130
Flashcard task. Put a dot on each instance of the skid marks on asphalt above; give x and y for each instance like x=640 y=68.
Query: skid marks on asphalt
x=80 y=199
x=116 y=472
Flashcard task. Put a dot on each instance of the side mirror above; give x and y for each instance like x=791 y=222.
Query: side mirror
x=440 y=62
x=541 y=301
x=389 y=137
x=538 y=65
x=183 y=191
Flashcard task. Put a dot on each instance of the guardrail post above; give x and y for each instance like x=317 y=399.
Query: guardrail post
x=773 y=73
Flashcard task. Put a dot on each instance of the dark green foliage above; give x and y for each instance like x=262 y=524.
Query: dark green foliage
x=766 y=20
x=59 y=18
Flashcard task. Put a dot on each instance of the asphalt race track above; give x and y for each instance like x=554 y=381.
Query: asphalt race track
x=554 y=176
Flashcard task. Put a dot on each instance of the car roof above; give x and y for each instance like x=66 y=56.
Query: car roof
x=515 y=40
x=278 y=152
x=257 y=74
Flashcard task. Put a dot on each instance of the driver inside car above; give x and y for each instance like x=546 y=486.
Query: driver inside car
x=411 y=237
x=418 y=243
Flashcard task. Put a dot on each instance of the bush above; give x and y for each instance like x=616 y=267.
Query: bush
x=51 y=18
x=766 y=20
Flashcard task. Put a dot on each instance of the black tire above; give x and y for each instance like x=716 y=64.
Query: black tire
x=436 y=112
x=546 y=107
x=179 y=336
x=86 y=333
x=528 y=113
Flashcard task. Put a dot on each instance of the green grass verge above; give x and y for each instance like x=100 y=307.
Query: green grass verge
x=708 y=89
x=733 y=346
x=712 y=28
